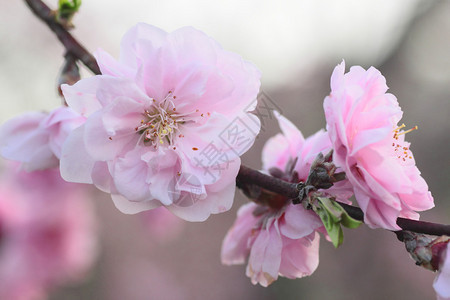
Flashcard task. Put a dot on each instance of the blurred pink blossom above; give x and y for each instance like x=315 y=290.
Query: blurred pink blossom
x=442 y=282
x=35 y=138
x=281 y=240
x=162 y=225
x=47 y=233
x=166 y=123
x=370 y=147
x=139 y=279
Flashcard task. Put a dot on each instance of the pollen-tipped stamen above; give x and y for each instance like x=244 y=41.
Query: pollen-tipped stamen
x=402 y=152
x=163 y=121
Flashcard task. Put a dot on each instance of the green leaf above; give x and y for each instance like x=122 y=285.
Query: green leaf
x=333 y=215
x=66 y=11
x=332 y=226
x=349 y=222
x=334 y=210
x=69 y=6
x=339 y=212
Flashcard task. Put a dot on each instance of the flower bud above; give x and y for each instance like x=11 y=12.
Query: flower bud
x=426 y=251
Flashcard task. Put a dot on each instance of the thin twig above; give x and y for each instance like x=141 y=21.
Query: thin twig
x=43 y=12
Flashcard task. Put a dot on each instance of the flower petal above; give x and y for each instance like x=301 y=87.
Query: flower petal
x=299 y=222
x=76 y=164
x=235 y=245
x=129 y=207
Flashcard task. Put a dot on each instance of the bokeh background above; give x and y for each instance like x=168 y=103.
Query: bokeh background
x=296 y=45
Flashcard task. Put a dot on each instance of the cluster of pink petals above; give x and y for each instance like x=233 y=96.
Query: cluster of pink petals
x=276 y=243
x=369 y=146
x=290 y=144
x=442 y=282
x=47 y=235
x=35 y=139
x=285 y=241
x=166 y=123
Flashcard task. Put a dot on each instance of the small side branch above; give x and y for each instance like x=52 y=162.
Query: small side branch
x=43 y=12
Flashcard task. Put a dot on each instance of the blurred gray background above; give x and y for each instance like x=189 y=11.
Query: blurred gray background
x=296 y=45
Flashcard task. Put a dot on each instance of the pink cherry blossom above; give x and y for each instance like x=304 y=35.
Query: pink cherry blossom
x=35 y=139
x=289 y=147
x=47 y=234
x=281 y=241
x=166 y=123
x=442 y=282
x=369 y=145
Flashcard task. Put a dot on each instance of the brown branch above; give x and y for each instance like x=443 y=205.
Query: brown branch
x=250 y=176
x=72 y=46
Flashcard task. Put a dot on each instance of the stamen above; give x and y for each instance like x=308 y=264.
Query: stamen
x=401 y=151
x=400 y=127
x=397 y=132
x=409 y=130
x=162 y=122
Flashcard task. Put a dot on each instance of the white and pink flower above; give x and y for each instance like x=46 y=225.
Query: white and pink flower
x=35 y=138
x=370 y=147
x=442 y=282
x=281 y=240
x=47 y=233
x=166 y=123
